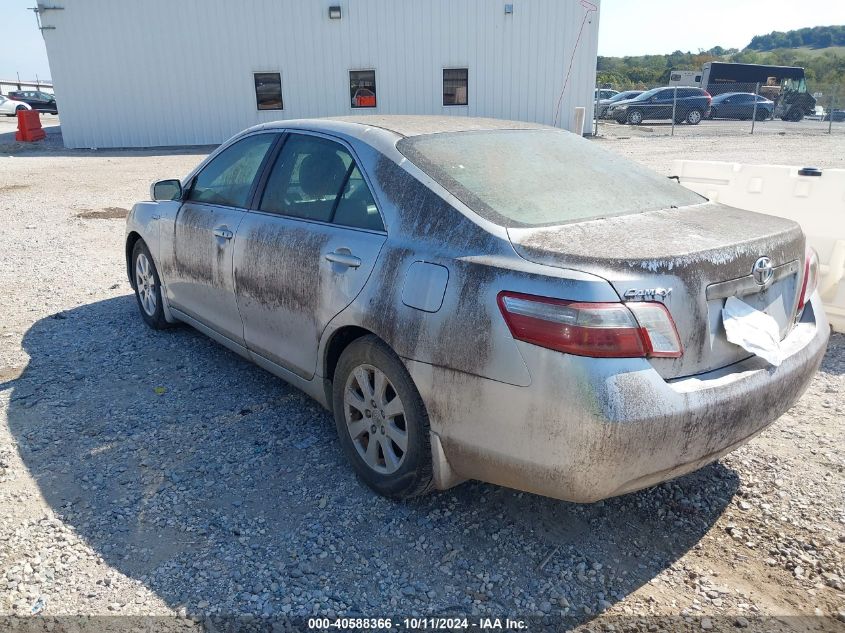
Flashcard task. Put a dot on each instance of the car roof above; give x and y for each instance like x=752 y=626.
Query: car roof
x=405 y=125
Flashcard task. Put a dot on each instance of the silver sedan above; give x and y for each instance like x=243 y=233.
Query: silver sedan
x=483 y=299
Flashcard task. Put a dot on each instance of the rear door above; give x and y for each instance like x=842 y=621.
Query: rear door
x=201 y=283
x=306 y=249
x=688 y=99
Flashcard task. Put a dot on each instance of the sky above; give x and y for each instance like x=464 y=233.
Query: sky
x=626 y=27
x=643 y=27
x=22 y=49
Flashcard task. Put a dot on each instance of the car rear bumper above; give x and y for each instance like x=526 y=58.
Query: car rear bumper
x=587 y=429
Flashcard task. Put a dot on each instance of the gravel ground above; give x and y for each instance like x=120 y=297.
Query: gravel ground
x=156 y=474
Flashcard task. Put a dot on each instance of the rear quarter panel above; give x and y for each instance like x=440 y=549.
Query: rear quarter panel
x=467 y=333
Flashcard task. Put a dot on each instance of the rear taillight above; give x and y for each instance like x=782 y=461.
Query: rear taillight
x=811 y=278
x=601 y=330
x=709 y=97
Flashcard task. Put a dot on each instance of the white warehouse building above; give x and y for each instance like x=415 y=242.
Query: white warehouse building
x=194 y=72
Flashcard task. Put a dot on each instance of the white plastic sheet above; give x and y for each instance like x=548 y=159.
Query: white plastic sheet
x=752 y=330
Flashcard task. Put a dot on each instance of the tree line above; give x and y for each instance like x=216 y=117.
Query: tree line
x=815 y=37
x=825 y=70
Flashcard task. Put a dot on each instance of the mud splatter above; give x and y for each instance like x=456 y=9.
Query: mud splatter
x=16 y=187
x=106 y=213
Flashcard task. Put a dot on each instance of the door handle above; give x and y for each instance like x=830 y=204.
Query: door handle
x=344 y=259
x=226 y=234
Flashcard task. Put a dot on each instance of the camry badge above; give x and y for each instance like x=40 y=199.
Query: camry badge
x=763 y=271
x=648 y=294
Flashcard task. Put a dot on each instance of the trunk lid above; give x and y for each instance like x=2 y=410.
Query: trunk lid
x=703 y=253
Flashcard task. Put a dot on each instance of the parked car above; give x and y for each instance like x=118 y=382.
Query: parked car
x=740 y=105
x=10 y=107
x=38 y=100
x=604 y=104
x=657 y=103
x=604 y=93
x=837 y=115
x=483 y=299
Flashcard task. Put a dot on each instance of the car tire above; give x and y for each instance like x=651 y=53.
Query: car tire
x=19 y=108
x=147 y=287
x=762 y=116
x=634 y=117
x=711 y=114
x=373 y=427
x=795 y=115
x=693 y=117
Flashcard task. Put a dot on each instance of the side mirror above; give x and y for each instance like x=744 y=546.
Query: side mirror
x=166 y=190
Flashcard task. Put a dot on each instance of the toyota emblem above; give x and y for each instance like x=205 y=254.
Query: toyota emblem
x=763 y=271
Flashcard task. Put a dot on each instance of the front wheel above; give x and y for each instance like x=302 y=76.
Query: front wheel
x=381 y=420
x=147 y=287
x=635 y=117
x=796 y=115
x=762 y=116
x=693 y=117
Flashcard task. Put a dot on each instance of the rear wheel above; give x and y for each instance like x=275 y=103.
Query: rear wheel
x=635 y=117
x=381 y=421
x=693 y=117
x=19 y=108
x=795 y=115
x=762 y=115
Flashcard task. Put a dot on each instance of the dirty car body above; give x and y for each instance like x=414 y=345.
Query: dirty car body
x=556 y=307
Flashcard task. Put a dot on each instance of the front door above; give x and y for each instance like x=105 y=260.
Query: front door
x=662 y=105
x=306 y=251
x=201 y=283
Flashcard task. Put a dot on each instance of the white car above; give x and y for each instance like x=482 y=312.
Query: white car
x=9 y=106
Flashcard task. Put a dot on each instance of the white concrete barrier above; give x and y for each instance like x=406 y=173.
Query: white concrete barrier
x=817 y=203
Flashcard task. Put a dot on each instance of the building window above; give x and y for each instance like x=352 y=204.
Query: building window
x=455 y=86
x=268 y=91
x=362 y=88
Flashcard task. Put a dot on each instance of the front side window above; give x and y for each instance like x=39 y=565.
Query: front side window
x=455 y=86
x=268 y=91
x=648 y=94
x=362 y=88
x=227 y=179
x=316 y=179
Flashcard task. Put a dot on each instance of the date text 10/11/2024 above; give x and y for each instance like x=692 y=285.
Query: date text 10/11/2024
x=429 y=623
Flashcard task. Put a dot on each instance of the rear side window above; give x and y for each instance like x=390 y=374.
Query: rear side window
x=540 y=177
x=227 y=179
x=317 y=179
x=356 y=206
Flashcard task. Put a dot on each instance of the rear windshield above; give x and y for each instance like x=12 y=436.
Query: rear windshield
x=540 y=177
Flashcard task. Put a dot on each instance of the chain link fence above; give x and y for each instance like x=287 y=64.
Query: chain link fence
x=723 y=109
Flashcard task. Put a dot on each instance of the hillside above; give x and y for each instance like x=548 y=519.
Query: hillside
x=817 y=37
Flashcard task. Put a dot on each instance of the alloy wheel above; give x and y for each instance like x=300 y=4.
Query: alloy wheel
x=375 y=419
x=145 y=283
